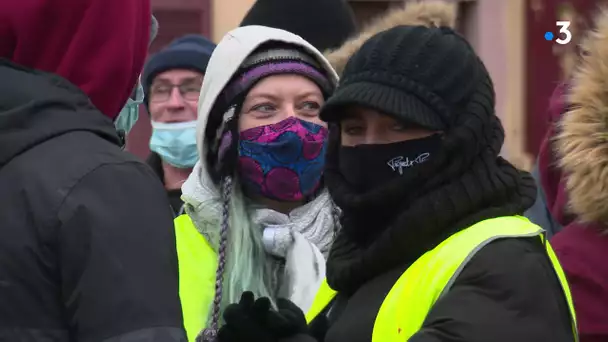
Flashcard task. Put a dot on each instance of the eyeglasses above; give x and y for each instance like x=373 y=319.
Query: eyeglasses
x=162 y=92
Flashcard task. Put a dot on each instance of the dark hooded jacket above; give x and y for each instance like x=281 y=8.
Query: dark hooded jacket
x=87 y=249
x=496 y=297
x=582 y=155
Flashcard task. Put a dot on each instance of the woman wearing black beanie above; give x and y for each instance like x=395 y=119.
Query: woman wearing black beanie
x=432 y=246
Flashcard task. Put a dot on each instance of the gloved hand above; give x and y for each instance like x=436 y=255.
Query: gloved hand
x=289 y=320
x=244 y=321
x=251 y=320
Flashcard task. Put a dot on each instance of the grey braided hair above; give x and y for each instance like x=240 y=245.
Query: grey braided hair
x=210 y=334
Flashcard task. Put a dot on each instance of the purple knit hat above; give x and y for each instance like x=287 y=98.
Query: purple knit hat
x=275 y=61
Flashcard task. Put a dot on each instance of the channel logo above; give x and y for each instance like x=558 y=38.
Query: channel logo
x=564 y=36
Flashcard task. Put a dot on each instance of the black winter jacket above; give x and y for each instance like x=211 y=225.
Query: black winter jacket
x=87 y=246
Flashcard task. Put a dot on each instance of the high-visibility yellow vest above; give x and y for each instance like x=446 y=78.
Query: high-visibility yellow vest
x=430 y=277
x=197 y=266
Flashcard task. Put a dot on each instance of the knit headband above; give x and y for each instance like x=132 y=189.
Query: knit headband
x=274 y=62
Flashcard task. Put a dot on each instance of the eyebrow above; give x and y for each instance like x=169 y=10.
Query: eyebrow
x=267 y=96
x=271 y=96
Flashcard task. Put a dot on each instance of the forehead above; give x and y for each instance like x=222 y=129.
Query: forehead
x=177 y=75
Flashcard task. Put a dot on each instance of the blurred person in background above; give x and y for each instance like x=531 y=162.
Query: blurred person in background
x=172 y=80
x=549 y=209
x=431 y=245
x=87 y=249
x=582 y=154
x=334 y=20
x=258 y=215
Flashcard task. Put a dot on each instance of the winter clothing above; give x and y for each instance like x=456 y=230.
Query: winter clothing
x=549 y=211
x=294 y=244
x=334 y=20
x=86 y=240
x=59 y=224
x=31 y=37
x=581 y=152
x=191 y=52
x=431 y=13
x=470 y=184
x=272 y=62
x=396 y=87
x=388 y=230
x=246 y=320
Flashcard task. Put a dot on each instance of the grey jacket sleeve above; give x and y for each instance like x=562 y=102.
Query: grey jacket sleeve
x=539 y=213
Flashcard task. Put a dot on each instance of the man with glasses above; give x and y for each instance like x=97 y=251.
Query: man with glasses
x=172 y=82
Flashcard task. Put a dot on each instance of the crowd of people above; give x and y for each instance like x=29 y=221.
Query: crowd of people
x=308 y=181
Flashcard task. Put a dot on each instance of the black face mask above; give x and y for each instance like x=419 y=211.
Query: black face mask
x=367 y=167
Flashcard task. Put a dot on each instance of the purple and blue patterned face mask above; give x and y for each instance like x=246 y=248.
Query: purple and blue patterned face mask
x=283 y=161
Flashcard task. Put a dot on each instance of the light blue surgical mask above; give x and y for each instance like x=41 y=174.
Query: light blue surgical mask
x=175 y=143
x=130 y=112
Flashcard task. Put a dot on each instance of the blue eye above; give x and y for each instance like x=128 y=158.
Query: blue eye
x=264 y=108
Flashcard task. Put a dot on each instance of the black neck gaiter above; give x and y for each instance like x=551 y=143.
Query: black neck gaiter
x=391 y=217
x=367 y=167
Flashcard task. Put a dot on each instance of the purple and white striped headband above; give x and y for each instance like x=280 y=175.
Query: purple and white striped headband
x=274 y=62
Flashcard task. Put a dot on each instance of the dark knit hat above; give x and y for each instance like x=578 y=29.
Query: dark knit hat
x=420 y=75
x=191 y=52
x=325 y=24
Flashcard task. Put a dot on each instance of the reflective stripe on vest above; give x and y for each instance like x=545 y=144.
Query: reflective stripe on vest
x=197 y=265
x=406 y=306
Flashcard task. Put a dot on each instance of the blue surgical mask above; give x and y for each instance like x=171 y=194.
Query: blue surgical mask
x=175 y=143
x=130 y=112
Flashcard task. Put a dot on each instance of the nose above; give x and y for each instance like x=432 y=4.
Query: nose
x=290 y=111
x=375 y=135
x=176 y=101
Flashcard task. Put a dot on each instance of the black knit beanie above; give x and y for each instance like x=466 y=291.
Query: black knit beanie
x=419 y=75
x=325 y=24
x=191 y=52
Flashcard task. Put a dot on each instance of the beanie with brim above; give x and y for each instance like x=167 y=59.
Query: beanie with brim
x=385 y=99
x=419 y=75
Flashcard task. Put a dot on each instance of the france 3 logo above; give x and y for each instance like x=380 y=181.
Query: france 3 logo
x=564 y=36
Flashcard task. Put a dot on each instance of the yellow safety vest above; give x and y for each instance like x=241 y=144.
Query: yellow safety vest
x=430 y=277
x=197 y=265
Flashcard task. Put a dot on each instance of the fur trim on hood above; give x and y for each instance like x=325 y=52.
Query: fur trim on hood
x=582 y=140
x=427 y=13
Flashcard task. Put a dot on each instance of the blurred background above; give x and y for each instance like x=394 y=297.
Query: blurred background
x=507 y=34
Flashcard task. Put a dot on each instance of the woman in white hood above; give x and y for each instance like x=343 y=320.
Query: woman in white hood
x=258 y=216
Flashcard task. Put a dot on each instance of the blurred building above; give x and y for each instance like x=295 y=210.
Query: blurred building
x=508 y=35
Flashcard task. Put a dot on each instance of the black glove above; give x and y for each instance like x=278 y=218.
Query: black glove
x=251 y=320
x=244 y=321
x=288 y=321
